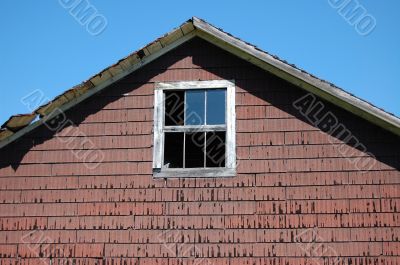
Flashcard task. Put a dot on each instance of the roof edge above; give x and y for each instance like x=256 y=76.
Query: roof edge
x=297 y=76
x=19 y=125
x=96 y=83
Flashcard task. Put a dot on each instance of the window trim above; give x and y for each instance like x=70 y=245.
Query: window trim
x=230 y=126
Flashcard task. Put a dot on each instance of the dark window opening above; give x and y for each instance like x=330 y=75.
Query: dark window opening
x=215 y=149
x=173 y=150
x=194 y=149
x=174 y=108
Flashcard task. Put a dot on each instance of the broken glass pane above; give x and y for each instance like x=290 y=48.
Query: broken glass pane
x=174 y=108
x=215 y=149
x=173 y=150
x=194 y=149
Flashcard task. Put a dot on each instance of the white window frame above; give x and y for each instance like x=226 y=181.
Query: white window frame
x=230 y=142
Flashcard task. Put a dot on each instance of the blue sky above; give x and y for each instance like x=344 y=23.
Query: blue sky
x=44 y=47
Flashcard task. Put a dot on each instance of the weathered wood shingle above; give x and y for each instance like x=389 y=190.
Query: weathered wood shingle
x=295 y=200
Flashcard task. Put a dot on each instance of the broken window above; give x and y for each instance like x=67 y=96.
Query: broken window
x=197 y=129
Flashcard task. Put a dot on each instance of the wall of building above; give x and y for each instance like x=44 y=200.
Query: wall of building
x=299 y=191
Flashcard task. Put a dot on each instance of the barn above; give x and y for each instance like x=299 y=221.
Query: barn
x=200 y=148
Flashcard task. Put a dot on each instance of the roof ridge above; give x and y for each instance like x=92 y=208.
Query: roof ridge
x=18 y=125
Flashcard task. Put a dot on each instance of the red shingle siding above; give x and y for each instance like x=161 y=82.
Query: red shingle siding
x=296 y=199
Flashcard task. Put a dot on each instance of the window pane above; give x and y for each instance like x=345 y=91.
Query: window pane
x=215 y=149
x=216 y=106
x=174 y=108
x=194 y=149
x=173 y=150
x=195 y=105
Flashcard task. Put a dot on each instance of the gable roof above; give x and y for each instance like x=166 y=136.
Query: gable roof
x=18 y=125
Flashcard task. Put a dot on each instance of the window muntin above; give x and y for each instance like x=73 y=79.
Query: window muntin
x=194 y=129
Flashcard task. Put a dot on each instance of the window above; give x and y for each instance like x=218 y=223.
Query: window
x=194 y=129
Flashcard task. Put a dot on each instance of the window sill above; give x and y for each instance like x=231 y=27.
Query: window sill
x=194 y=173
